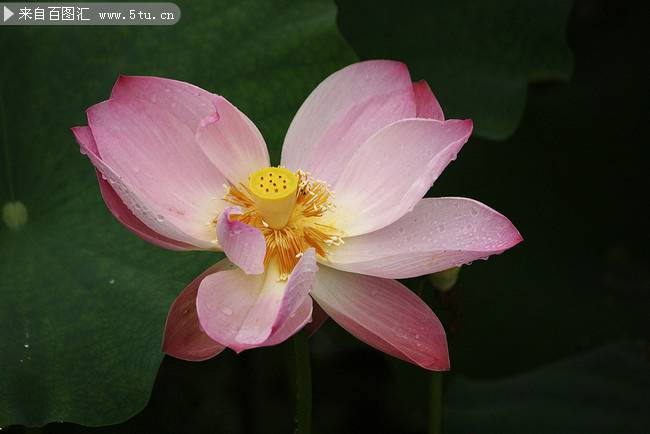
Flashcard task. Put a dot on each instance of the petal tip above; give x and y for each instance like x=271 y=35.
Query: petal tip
x=517 y=238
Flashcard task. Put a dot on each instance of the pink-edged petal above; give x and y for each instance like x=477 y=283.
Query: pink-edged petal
x=156 y=229
x=342 y=112
x=393 y=169
x=232 y=142
x=156 y=154
x=318 y=318
x=438 y=234
x=188 y=103
x=427 y=106
x=385 y=314
x=115 y=205
x=245 y=311
x=184 y=338
x=243 y=244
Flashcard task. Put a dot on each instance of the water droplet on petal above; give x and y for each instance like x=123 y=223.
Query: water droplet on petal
x=226 y=311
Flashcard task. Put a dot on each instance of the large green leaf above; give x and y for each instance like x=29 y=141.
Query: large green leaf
x=477 y=55
x=82 y=301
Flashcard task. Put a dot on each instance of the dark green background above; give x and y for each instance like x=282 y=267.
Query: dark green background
x=550 y=337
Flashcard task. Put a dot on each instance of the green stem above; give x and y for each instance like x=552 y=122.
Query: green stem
x=435 y=403
x=303 y=383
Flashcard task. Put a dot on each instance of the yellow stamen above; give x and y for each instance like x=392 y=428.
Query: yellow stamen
x=289 y=226
x=274 y=193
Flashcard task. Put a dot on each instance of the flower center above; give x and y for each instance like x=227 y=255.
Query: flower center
x=274 y=193
x=291 y=211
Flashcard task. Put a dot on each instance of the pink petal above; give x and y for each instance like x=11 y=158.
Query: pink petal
x=128 y=219
x=244 y=311
x=87 y=142
x=438 y=234
x=155 y=153
x=188 y=103
x=385 y=314
x=427 y=105
x=342 y=112
x=393 y=169
x=243 y=244
x=184 y=338
x=296 y=321
x=156 y=230
x=232 y=142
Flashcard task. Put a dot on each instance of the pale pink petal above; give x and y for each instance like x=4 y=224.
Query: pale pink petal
x=393 y=170
x=232 y=142
x=154 y=152
x=188 y=103
x=342 y=112
x=154 y=228
x=438 y=234
x=427 y=106
x=244 y=311
x=243 y=244
x=385 y=314
x=183 y=337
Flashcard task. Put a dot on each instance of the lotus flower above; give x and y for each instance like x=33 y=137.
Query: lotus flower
x=185 y=169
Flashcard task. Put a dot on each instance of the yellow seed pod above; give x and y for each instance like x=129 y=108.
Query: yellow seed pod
x=274 y=192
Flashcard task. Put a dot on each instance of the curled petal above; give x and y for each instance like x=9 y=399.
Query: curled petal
x=393 y=170
x=385 y=314
x=438 y=234
x=243 y=244
x=184 y=338
x=243 y=311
